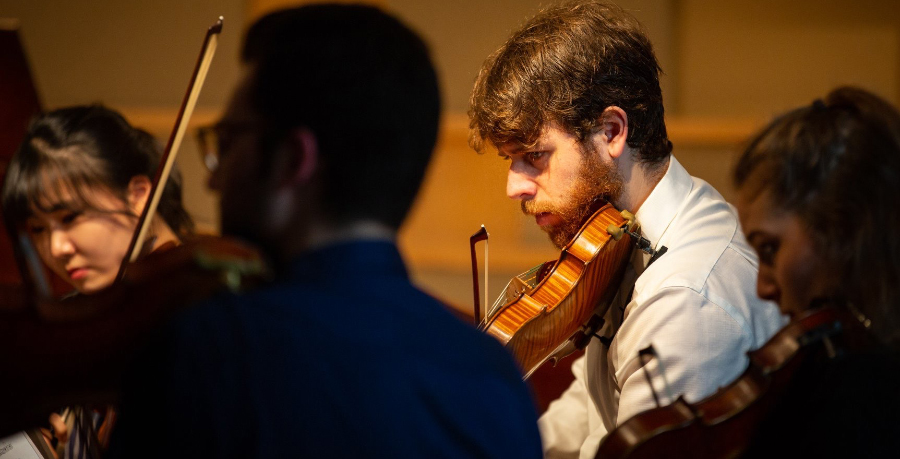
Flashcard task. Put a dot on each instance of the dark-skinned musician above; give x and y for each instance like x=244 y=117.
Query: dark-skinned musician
x=572 y=101
x=321 y=152
x=817 y=195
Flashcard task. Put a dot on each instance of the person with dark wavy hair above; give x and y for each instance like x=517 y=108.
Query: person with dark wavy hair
x=817 y=195
x=572 y=100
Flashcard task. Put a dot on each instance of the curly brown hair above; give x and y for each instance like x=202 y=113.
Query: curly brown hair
x=567 y=65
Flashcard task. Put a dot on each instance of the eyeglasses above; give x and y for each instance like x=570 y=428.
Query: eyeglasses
x=208 y=141
x=216 y=140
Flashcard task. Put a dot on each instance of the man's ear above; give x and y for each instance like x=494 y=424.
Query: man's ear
x=138 y=193
x=614 y=127
x=303 y=156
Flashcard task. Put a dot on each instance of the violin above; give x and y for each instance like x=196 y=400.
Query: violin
x=90 y=339
x=726 y=423
x=552 y=310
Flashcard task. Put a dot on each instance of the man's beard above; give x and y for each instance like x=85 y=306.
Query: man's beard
x=595 y=181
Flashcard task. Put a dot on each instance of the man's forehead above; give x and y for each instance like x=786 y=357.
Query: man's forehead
x=549 y=136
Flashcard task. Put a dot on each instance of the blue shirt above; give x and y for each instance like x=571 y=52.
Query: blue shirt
x=344 y=357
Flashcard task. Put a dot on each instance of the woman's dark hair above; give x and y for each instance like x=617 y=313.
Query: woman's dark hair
x=74 y=149
x=567 y=65
x=836 y=165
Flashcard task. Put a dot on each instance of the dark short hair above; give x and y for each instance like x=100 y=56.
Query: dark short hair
x=364 y=83
x=567 y=65
x=836 y=165
x=76 y=148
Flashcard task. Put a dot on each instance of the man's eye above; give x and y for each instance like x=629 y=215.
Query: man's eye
x=534 y=156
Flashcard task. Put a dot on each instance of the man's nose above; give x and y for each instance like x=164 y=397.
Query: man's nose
x=60 y=244
x=520 y=183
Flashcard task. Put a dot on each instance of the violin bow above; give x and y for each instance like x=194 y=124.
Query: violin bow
x=207 y=51
x=480 y=235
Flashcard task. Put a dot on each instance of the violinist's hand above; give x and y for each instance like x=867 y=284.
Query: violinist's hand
x=57 y=434
x=59 y=427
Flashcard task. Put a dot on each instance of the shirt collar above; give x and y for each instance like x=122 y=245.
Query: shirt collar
x=660 y=208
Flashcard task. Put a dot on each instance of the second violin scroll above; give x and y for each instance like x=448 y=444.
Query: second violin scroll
x=727 y=423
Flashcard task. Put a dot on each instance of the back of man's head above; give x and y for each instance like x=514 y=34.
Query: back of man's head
x=363 y=83
x=565 y=66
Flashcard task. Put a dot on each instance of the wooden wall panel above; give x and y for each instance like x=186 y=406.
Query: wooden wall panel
x=257 y=8
x=729 y=67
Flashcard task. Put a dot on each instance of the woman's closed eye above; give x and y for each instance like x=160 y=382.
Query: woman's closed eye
x=70 y=217
x=767 y=251
x=34 y=229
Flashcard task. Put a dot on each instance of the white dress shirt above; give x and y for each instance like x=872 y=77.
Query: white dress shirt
x=696 y=305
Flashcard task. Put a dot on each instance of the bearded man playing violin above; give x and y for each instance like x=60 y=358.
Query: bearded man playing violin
x=572 y=101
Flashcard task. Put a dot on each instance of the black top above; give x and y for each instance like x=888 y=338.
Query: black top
x=343 y=358
x=840 y=404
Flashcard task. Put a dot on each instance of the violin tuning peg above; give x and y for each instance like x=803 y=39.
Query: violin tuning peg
x=615 y=231
x=629 y=218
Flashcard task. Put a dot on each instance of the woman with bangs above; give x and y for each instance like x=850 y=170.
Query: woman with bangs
x=77 y=186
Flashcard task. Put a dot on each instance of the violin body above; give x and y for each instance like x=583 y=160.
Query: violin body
x=551 y=318
x=724 y=424
x=91 y=340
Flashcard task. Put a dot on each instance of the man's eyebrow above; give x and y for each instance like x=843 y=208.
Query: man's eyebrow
x=516 y=150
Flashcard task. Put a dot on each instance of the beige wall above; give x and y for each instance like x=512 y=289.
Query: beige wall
x=462 y=33
x=729 y=67
x=136 y=57
x=762 y=57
